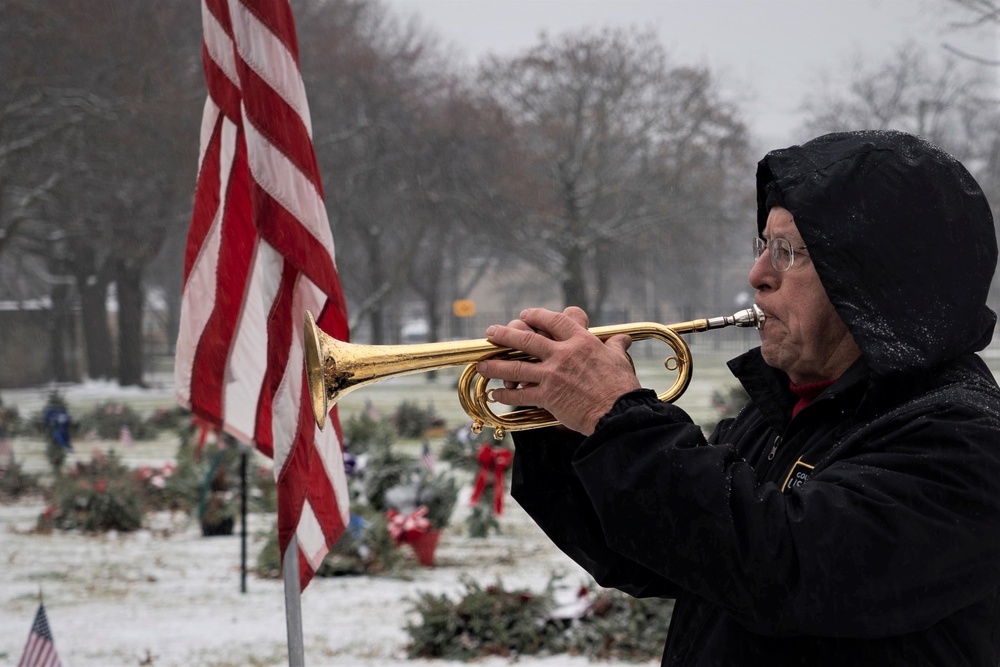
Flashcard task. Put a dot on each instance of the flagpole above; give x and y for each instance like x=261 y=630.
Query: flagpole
x=293 y=604
x=243 y=517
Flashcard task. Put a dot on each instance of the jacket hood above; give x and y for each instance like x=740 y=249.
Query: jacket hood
x=901 y=236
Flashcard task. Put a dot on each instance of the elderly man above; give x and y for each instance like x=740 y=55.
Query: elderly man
x=850 y=514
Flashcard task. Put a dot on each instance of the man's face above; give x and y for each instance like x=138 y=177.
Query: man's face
x=803 y=335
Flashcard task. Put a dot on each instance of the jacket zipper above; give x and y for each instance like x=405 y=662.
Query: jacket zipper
x=774 y=448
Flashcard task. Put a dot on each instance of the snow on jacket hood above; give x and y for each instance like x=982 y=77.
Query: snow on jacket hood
x=902 y=238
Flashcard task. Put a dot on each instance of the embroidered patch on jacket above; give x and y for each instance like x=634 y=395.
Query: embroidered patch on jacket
x=797 y=476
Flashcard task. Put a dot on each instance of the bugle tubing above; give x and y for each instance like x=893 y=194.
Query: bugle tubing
x=334 y=368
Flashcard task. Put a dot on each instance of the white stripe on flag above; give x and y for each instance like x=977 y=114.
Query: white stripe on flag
x=310 y=536
x=270 y=60
x=219 y=45
x=247 y=362
x=281 y=179
x=197 y=304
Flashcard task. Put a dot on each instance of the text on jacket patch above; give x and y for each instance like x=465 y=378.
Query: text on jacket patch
x=797 y=476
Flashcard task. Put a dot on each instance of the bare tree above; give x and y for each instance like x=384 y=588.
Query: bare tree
x=974 y=15
x=136 y=173
x=947 y=99
x=100 y=93
x=367 y=75
x=45 y=113
x=469 y=153
x=618 y=140
x=404 y=154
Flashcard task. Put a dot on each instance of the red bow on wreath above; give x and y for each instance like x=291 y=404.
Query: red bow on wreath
x=408 y=527
x=496 y=459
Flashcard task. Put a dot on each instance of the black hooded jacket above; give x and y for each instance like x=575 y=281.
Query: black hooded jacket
x=866 y=530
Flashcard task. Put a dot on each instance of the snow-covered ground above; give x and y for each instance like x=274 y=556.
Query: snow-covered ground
x=166 y=596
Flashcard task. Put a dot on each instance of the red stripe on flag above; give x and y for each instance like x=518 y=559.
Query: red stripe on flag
x=278 y=18
x=220 y=10
x=284 y=232
x=223 y=91
x=40 y=649
x=279 y=342
x=206 y=199
x=318 y=491
x=231 y=273
x=333 y=320
x=283 y=128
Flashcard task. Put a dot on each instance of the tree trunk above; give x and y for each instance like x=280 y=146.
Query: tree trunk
x=130 y=348
x=574 y=287
x=60 y=319
x=601 y=262
x=432 y=300
x=96 y=333
x=378 y=325
x=375 y=265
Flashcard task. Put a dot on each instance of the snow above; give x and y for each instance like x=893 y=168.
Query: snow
x=166 y=596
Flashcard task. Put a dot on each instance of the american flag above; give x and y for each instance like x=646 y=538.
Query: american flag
x=6 y=450
x=259 y=254
x=40 y=651
x=125 y=436
x=427 y=457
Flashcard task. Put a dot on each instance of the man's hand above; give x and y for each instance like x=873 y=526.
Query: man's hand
x=577 y=377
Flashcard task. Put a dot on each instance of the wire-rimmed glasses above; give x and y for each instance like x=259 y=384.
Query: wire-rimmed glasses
x=782 y=252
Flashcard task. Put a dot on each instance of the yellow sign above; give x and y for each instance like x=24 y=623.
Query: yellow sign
x=464 y=308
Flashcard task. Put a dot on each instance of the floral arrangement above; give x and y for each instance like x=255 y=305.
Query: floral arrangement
x=487 y=621
x=172 y=418
x=106 y=421
x=364 y=548
x=364 y=432
x=412 y=421
x=157 y=492
x=10 y=420
x=419 y=509
x=217 y=501
x=488 y=490
x=492 y=620
x=15 y=482
x=439 y=494
x=97 y=496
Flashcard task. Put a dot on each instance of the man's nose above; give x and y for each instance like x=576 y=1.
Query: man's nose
x=762 y=273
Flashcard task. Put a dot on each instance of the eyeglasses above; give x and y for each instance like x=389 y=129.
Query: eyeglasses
x=782 y=252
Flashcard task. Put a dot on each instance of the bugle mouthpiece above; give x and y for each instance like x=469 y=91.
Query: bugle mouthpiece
x=749 y=317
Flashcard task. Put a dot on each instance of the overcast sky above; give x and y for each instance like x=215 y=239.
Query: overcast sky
x=770 y=48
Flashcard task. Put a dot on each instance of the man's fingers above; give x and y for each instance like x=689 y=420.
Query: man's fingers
x=560 y=326
x=513 y=373
x=578 y=315
x=621 y=341
x=519 y=339
x=521 y=396
x=520 y=325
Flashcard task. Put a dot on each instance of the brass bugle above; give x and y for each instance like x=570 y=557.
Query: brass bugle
x=334 y=368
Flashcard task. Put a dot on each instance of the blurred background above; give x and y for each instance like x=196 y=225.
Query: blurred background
x=477 y=157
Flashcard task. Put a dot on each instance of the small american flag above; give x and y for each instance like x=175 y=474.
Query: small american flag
x=6 y=450
x=427 y=457
x=40 y=651
x=125 y=436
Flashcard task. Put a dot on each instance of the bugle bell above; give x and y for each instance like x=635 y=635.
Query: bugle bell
x=335 y=368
